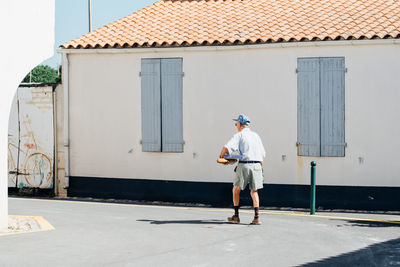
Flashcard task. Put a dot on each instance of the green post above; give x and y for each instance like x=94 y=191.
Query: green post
x=312 y=195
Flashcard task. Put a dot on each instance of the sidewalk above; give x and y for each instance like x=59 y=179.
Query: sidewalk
x=107 y=234
x=26 y=224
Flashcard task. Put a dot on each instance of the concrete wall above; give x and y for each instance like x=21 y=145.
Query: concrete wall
x=105 y=114
x=32 y=136
x=59 y=173
x=36 y=137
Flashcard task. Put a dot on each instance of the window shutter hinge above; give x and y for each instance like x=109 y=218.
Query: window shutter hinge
x=345 y=144
x=297 y=70
x=297 y=143
x=141 y=142
x=345 y=70
x=140 y=73
x=183 y=74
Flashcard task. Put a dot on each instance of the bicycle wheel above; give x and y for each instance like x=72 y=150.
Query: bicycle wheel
x=38 y=171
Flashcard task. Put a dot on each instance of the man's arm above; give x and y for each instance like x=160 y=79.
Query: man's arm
x=223 y=152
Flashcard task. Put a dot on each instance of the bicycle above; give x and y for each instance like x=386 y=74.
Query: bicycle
x=37 y=169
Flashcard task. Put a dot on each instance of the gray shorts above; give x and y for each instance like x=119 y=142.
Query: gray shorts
x=249 y=173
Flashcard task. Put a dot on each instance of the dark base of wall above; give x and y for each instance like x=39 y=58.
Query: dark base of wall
x=31 y=192
x=220 y=194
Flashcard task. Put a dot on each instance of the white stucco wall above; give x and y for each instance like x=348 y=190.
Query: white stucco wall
x=105 y=114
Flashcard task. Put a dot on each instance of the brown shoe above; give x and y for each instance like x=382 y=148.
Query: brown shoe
x=256 y=221
x=234 y=219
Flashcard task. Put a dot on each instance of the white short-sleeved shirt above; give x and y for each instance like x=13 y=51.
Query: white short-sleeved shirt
x=249 y=145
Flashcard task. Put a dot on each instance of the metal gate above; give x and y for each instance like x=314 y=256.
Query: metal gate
x=31 y=138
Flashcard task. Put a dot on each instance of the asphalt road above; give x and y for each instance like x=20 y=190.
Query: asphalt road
x=106 y=234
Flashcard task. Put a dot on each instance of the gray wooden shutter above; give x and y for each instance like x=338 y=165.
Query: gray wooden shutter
x=151 y=105
x=171 y=95
x=308 y=104
x=332 y=107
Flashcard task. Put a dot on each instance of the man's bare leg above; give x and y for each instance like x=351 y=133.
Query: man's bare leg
x=256 y=205
x=254 y=196
x=236 y=198
x=236 y=195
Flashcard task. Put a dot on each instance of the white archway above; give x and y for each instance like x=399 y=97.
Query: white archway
x=27 y=39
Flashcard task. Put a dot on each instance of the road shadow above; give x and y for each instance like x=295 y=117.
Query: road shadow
x=184 y=221
x=362 y=223
x=381 y=254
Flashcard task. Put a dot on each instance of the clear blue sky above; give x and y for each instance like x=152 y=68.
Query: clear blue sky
x=72 y=18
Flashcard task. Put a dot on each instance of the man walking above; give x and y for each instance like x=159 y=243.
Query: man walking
x=249 y=169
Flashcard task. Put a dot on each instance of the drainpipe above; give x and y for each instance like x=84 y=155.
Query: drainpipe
x=65 y=81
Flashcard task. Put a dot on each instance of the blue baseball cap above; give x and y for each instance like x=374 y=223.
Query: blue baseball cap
x=243 y=119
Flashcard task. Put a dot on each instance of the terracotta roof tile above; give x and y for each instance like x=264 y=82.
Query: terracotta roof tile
x=211 y=22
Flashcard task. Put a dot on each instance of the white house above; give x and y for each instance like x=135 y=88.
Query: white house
x=150 y=100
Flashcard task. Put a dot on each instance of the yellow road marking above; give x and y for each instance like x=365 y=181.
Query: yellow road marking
x=215 y=210
x=43 y=223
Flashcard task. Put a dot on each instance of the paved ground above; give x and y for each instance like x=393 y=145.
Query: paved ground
x=103 y=234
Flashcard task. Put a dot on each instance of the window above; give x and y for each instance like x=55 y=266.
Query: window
x=162 y=119
x=320 y=107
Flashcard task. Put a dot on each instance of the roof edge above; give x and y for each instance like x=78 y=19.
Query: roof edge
x=395 y=41
x=226 y=42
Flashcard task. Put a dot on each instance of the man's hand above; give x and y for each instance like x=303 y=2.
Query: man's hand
x=224 y=161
